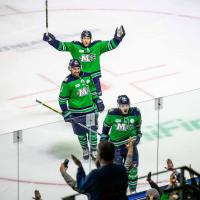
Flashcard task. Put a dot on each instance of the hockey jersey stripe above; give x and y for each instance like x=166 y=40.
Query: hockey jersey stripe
x=109 y=46
x=96 y=74
x=90 y=109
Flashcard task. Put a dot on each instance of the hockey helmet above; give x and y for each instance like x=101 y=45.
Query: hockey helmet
x=86 y=33
x=74 y=63
x=123 y=99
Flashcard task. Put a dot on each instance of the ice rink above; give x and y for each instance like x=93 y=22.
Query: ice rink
x=158 y=57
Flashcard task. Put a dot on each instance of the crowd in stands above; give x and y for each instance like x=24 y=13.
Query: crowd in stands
x=160 y=193
x=109 y=181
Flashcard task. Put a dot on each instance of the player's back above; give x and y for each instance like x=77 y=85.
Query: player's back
x=112 y=182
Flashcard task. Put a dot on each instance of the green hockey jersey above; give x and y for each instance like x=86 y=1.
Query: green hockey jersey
x=78 y=93
x=121 y=126
x=89 y=56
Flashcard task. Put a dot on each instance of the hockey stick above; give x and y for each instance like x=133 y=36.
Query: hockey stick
x=45 y=105
x=38 y=101
x=46 y=5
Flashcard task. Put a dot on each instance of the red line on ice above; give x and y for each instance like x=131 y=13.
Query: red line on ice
x=48 y=79
x=33 y=182
x=135 y=83
x=34 y=105
x=143 y=90
x=156 y=77
x=31 y=94
x=134 y=71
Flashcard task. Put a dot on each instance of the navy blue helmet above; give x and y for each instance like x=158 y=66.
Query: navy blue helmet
x=123 y=99
x=86 y=33
x=74 y=63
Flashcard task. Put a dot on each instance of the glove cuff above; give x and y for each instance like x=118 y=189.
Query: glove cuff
x=66 y=114
x=119 y=39
x=98 y=100
x=104 y=137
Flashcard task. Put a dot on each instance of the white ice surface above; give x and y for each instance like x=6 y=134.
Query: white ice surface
x=159 y=56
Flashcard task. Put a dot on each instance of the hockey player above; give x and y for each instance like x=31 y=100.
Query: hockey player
x=78 y=99
x=88 y=52
x=124 y=122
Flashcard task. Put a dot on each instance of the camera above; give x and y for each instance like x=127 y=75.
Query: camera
x=66 y=163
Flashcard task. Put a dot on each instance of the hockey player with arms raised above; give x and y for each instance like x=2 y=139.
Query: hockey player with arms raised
x=120 y=124
x=88 y=52
x=77 y=99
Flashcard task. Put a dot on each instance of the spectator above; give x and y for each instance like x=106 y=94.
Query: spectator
x=73 y=184
x=131 y=169
x=68 y=179
x=195 y=195
x=37 y=195
x=173 y=182
x=108 y=182
x=152 y=194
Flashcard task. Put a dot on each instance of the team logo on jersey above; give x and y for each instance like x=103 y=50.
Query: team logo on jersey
x=92 y=57
x=87 y=81
x=82 y=81
x=77 y=85
x=132 y=121
x=121 y=127
x=118 y=120
x=88 y=57
x=81 y=51
x=83 y=92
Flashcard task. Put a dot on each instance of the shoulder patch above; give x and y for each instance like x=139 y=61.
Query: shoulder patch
x=86 y=74
x=94 y=42
x=76 y=42
x=65 y=80
x=135 y=111
x=68 y=79
x=111 y=109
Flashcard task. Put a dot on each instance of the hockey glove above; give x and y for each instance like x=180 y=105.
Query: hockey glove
x=48 y=37
x=67 y=116
x=104 y=137
x=119 y=33
x=100 y=104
